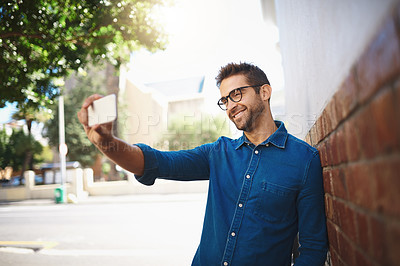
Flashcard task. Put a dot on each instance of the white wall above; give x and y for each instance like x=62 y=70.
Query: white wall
x=320 y=41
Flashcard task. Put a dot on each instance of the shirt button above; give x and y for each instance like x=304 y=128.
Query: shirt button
x=267 y=144
x=247 y=176
x=233 y=234
x=240 y=205
x=225 y=263
x=256 y=152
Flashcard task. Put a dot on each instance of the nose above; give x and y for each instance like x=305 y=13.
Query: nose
x=230 y=105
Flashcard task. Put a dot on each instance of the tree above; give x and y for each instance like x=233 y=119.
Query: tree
x=5 y=149
x=29 y=114
x=22 y=143
x=13 y=149
x=41 y=40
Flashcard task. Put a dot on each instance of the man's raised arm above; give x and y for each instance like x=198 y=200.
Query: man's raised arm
x=129 y=157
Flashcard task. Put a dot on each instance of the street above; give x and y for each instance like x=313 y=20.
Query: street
x=120 y=230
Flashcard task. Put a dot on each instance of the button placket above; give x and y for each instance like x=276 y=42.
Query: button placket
x=239 y=212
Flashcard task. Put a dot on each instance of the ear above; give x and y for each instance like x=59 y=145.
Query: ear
x=265 y=92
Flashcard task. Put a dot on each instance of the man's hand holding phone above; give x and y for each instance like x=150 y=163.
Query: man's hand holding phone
x=97 y=115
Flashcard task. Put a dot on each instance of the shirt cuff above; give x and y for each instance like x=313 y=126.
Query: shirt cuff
x=151 y=171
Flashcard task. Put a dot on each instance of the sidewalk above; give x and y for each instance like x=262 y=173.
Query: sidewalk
x=143 y=230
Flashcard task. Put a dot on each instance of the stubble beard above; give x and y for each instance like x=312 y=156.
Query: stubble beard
x=250 y=118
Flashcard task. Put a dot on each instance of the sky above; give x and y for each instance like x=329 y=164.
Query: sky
x=206 y=35
x=6 y=112
x=203 y=36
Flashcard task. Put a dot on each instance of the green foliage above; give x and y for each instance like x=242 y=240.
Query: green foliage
x=79 y=147
x=5 y=149
x=41 y=40
x=30 y=114
x=46 y=155
x=14 y=148
x=106 y=168
x=186 y=132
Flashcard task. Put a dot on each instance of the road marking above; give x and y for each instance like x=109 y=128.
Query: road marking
x=17 y=250
x=28 y=244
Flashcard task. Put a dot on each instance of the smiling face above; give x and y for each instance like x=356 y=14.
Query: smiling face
x=246 y=113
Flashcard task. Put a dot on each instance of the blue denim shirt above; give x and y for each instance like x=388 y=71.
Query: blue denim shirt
x=259 y=198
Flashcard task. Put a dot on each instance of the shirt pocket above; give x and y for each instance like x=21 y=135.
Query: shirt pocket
x=276 y=203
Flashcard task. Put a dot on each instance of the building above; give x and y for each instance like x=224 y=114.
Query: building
x=147 y=108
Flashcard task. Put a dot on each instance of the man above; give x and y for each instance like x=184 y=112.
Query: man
x=264 y=187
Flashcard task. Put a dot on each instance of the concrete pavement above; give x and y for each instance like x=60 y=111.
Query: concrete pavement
x=113 y=230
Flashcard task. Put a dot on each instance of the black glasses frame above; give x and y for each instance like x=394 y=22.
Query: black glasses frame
x=221 y=101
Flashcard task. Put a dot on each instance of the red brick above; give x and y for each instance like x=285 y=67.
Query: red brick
x=328 y=151
x=329 y=207
x=319 y=130
x=346 y=250
x=381 y=61
x=359 y=186
x=339 y=213
x=324 y=117
x=334 y=149
x=346 y=96
x=337 y=208
x=332 y=235
x=341 y=145
x=338 y=183
x=352 y=147
x=338 y=108
x=332 y=111
x=384 y=116
x=366 y=132
x=362 y=259
x=323 y=153
x=335 y=260
x=327 y=175
x=363 y=235
x=393 y=244
x=326 y=121
x=397 y=100
x=386 y=180
x=313 y=135
x=378 y=240
x=348 y=223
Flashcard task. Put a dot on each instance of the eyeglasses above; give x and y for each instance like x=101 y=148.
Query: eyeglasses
x=235 y=95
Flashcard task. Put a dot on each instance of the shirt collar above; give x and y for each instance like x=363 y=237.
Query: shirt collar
x=278 y=138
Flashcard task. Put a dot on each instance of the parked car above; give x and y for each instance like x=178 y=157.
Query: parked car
x=16 y=181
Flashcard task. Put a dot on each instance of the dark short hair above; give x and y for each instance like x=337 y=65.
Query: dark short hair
x=254 y=75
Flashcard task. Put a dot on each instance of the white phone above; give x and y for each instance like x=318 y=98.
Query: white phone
x=103 y=110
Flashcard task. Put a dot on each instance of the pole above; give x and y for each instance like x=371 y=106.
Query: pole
x=63 y=147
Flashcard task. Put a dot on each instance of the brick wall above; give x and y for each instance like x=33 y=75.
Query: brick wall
x=358 y=136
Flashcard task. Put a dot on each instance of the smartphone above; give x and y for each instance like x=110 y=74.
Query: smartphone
x=103 y=110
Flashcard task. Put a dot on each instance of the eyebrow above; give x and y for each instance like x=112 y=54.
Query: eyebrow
x=243 y=87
